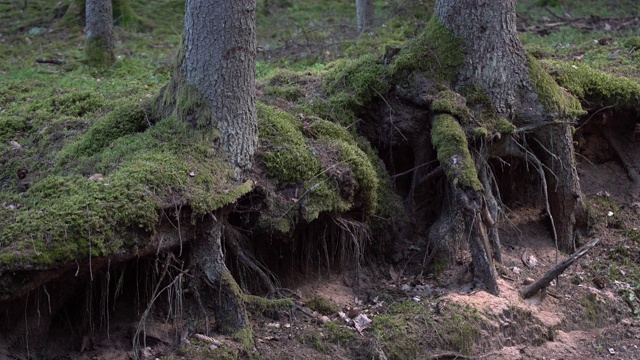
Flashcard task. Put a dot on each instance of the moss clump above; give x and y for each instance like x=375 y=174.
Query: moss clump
x=595 y=86
x=450 y=102
x=322 y=305
x=364 y=171
x=435 y=51
x=503 y=126
x=553 y=97
x=129 y=118
x=479 y=132
x=410 y=330
x=289 y=93
x=450 y=141
x=63 y=212
x=287 y=157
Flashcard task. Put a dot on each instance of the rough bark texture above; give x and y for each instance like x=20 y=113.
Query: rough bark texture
x=219 y=61
x=99 y=44
x=228 y=302
x=364 y=14
x=495 y=60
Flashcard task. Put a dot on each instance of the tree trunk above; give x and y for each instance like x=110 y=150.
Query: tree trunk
x=219 y=62
x=364 y=14
x=99 y=44
x=213 y=90
x=496 y=64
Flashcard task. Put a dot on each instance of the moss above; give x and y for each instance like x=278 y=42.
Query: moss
x=129 y=118
x=289 y=93
x=54 y=221
x=435 y=51
x=595 y=86
x=503 y=126
x=405 y=329
x=322 y=305
x=287 y=157
x=245 y=338
x=359 y=163
x=263 y=304
x=98 y=53
x=553 y=97
x=450 y=141
x=479 y=132
x=339 y=334
x=450 y=102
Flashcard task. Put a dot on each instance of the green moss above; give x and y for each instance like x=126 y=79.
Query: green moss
x=450 y=102
x=595 y=86
x=363 y=169
x=339 y=334
x=435 y=51
x=553 y=97
x=129 y=118
x=411 y=330
x=503 y=126
x=289 y=93
x=479 y=132
x=54 y=221
x=287 y=157
x=98 y=53
x=450 y=141
x=262 y=304
x=322 y=305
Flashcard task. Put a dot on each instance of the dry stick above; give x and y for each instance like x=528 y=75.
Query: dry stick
x=546 y=279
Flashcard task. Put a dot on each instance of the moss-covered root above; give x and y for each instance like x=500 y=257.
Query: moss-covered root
x=450 y=141
x=453 y=154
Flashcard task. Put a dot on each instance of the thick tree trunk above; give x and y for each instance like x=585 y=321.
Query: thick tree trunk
x=99 y=44
x=364 y=14
x=495 y=60
x=219 y=62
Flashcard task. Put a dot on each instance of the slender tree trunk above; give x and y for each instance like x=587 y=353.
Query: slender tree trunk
x=364 y=14
x=99 y=46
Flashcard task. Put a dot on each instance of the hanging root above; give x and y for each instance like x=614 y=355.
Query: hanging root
x=353 y=237
x=175 y=295
x=233 y=244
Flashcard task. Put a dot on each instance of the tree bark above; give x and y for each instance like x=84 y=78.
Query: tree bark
x=212 y=90
x=495 y=60
x=364 y=14
x=219 y=62
x=99 y=46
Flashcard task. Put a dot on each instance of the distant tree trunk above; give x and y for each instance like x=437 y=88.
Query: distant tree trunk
x=213 y=90
x=496 y=63
x=364 y=14
x=99 y=46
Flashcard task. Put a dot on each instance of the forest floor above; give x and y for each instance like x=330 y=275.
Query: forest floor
x=395 y=311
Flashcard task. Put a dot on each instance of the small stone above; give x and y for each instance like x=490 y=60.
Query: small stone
x=324 y=319
x=212 y=347
x=96 y=177
x=15 y=145
x=528 y=281
x=612 y=351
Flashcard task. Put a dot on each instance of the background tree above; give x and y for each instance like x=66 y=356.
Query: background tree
x=99 y=45
x=212 y=91
x=364 y=14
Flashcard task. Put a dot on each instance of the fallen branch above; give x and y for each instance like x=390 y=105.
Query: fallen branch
x=546 y=279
